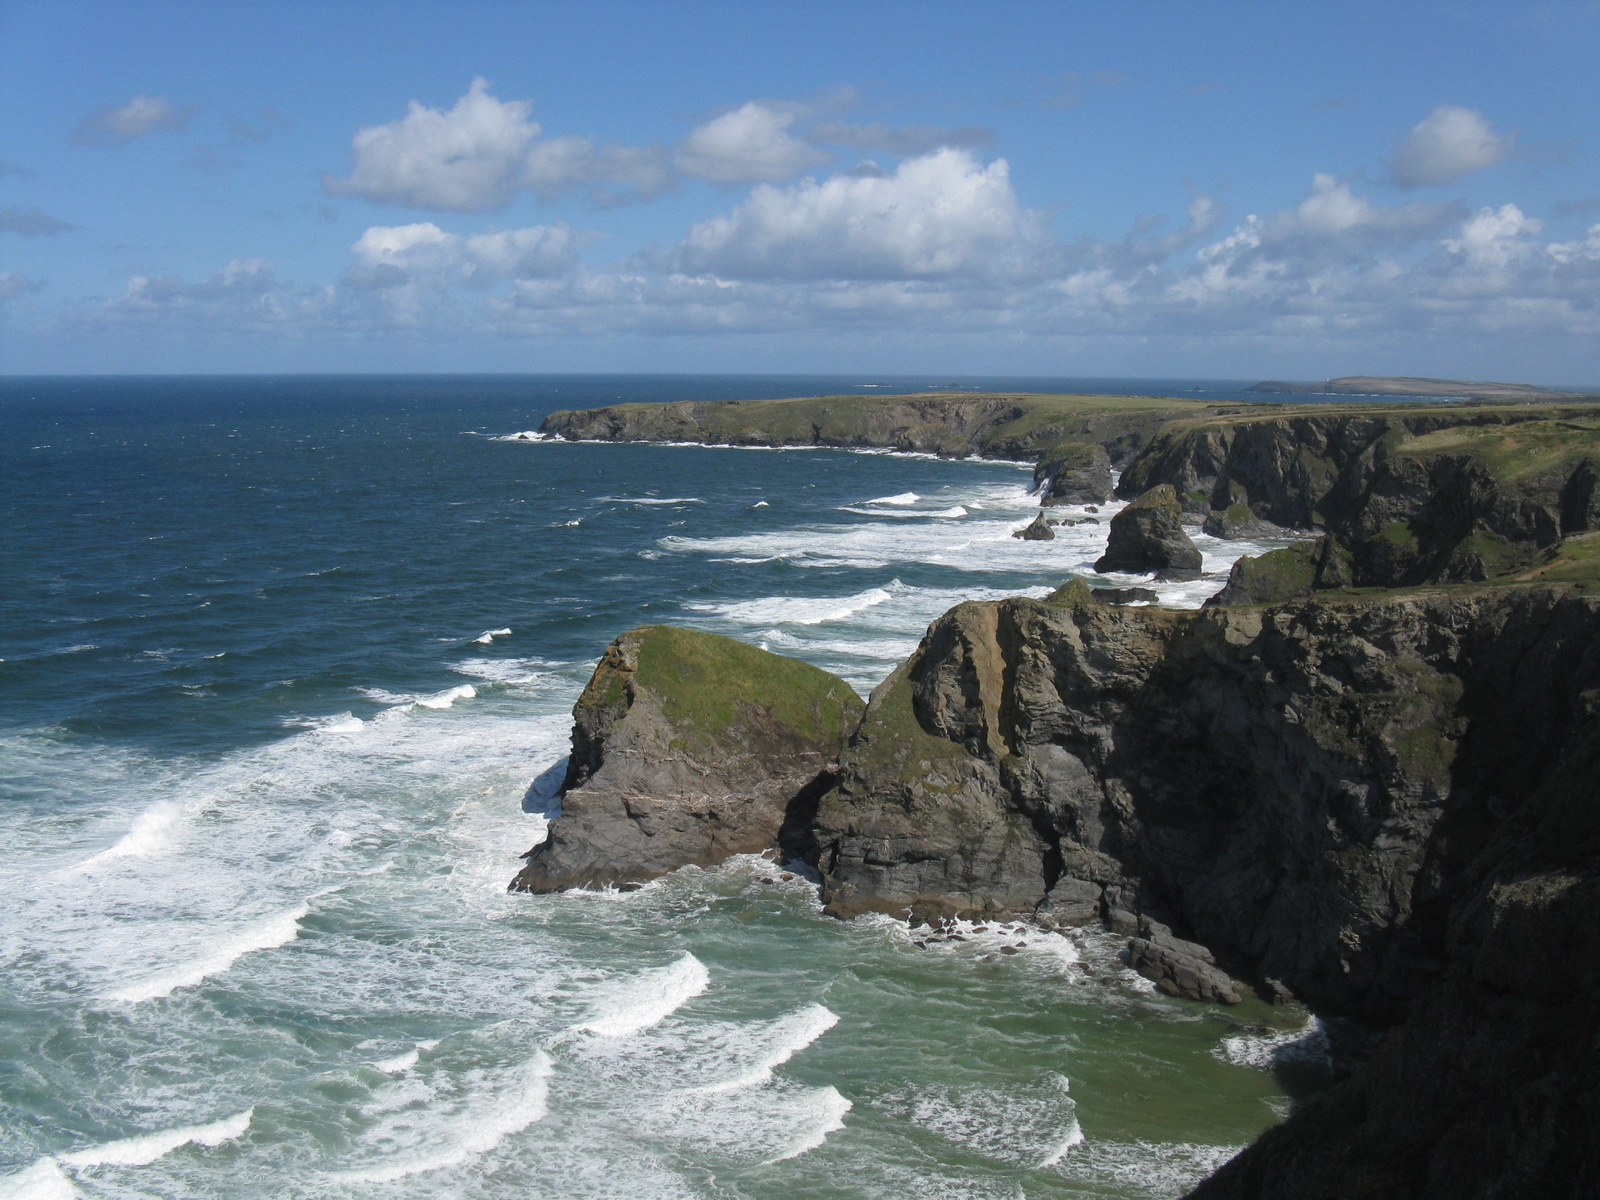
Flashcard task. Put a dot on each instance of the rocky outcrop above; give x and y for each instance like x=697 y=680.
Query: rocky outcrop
x=1015 y=426
x=1074 y=473
x=1406 y=496
x=1273 y=577
x=1488 y=1090
x=688 y=747
x=1301 y=788
x=1035 y=530
x=1148 y=536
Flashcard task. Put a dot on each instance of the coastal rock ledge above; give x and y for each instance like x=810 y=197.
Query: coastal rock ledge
x=688 y=747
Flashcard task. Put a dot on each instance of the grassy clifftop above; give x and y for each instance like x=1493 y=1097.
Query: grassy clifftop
x=993 y=425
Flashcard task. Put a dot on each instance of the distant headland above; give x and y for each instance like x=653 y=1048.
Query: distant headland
x=1412 y=385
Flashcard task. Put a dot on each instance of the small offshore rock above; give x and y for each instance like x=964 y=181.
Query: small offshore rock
x=1147 y=536
x=1037 y=530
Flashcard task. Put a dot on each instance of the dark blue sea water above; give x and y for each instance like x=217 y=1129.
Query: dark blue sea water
x=280 y=660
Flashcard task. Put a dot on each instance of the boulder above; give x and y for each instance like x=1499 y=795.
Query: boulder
x=1038 y=530
x=1070 y=902
x=1074 y=473
x=688 y=747
x=1179 y=974
x=1237 y=521
x=1148 y=536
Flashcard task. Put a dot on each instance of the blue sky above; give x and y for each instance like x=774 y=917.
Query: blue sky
x=1226 y=190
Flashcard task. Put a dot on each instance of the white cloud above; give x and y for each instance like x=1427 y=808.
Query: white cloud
x=394 y=255
x=477 y=156
x=139 y=116
x=936 y=216
x=1495 y=237
x=751 y=144
x=1448 y=143
x=464 y=160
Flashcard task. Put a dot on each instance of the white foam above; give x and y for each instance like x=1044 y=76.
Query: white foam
x=146 y=1148
x=489 y=635
x=266 y=934
x=828 y=1109
x=432 y=1141
x=760 y=504
x=948 y=514
x=528 y=435
x=649 y=500
x=1264 y=1051
x=790 y=1035
x=152 y=831
x=399 y=1064
x=42 y=1180
x=794 y=610
x=647 y=999
x=902 y=498
x=448 y=697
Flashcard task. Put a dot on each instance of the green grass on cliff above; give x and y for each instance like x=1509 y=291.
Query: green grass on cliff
x=1514 y=453
x=708 y=683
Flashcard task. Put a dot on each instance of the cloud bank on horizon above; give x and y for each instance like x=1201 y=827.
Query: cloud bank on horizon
x=812 y=218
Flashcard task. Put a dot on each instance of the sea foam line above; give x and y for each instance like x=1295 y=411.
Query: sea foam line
x=474 y=1131
x=830 y=1109
x=647 y=999
x=147 y=1147
x=794 y=1033
x=266 y=934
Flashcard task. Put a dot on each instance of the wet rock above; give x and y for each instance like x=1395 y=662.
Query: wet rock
x=1037 y=530
x=1074 y=473
x=1179 y=974
x=1147 y=536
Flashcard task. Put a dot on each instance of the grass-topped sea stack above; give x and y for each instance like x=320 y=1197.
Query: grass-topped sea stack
x=688 y=747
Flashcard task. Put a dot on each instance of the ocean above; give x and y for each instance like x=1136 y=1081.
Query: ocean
x=286 y=674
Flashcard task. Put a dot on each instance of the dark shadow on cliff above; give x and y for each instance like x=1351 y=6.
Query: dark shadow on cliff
x=544 y=793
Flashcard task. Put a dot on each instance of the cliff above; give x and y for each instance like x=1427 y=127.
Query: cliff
x=1384 y=804
x=1406 y=495
x=688 y=747
x=952 y=425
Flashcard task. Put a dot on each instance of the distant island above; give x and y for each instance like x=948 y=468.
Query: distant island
x=1412 y=385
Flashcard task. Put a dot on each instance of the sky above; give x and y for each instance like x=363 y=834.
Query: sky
x=1205 y=190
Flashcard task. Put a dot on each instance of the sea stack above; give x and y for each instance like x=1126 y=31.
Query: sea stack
x=688 y=747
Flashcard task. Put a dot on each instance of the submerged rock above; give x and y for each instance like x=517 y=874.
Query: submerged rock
x=688 y=747
x=1148 y=536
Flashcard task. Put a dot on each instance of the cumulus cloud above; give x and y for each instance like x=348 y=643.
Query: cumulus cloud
x=477 y=156
x=464 y=160
x=751 y=144
x=394 y=255
x=939 y=215
x=139 y=116
x=31 y=223
x=1448 y=143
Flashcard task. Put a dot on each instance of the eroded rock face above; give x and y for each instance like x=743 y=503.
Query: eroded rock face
x=1299 y=787
x=688 y=747
x=1487 y=1090
x=1148 y=536
x=1074 y=473
x=1036 y=531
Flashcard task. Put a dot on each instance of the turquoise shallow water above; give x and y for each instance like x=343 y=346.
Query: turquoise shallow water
x=282 y=661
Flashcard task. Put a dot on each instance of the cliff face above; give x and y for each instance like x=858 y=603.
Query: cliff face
x=1013 y=426
x=1406 y=496
x=687 y=748
x=1303 y=787
x=1490 y=1088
